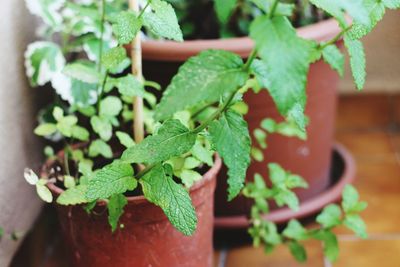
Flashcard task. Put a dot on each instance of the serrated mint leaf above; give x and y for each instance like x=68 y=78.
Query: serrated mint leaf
x=392 y=4
x=110 y=106
x=43 y=60
x=357 y=60
x=161 y=189
x=115 y=178
x=376 y=10
x=287 y=197
x=82 y=94
x=330 y=216
x=213 y=73
x=298 y=251
x=296 y=115
x=355 y=8
x=286 y=59
x=172 y=139
x=162 y=21
x=125 y=139
x=332 y=55
x=202 y=154
x=356 y=224
x=73 y=196
x=113 y=57
x=45 y=129
x=224 y=9
x=66 y=124
x=231 y=138
x=83 y=72
x=115 y=207
x=295 y=230
x=102 y=126
x=99 y=147
x=331 y=246
x=350 y=198
x=128 y=86
x=125 y=26
x=48 y=10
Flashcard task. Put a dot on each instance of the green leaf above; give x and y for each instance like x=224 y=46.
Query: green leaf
x=298 y=251
x=213 y=73
x=115 y=207
x=295 y=230
x=73 y=196
x=115 y=178
x=231 y=138
x=83 y=94
x=286 y=59
x=189 y=177
x=126 y=26
x=110 y=106
x=350 y=199
x=282 y=9
x=31 y=177
x=330 y=216
x=159 y=188
x=45 y=129
x=172 y=139
x=44 y=192
x=356 y=224
x=376 y=11
x=80 y=133
x=82 y=72
x=129 y=86
x=202 y=153
x=162 y=21
x=48 y=10
x=125 y=139
x=357 y=60
x=355 y=8
x=102 y=126
x=113 y=57
x=392 y=4
x=43 y=60
x=334 y=57
x=224 y=9
x=99 y=147
x=69 y=181
x=260 y=136
x=331 y=246
x=65 y=125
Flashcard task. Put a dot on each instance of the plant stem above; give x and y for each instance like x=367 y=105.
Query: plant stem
x=250 y=60
x=103 y=14
x=273 y=9
x=335 y=39
x=136 y=56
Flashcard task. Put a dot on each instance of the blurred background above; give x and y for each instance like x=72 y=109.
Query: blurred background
x=368 y=124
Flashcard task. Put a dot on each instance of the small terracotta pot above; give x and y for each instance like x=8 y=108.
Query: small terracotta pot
x=147 y=239
x=310 y=159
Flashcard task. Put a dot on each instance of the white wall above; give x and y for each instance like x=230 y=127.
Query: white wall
x=19 y=205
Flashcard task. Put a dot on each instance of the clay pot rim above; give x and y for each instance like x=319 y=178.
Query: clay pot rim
x=175 y=51
x=207 y=178
x=307 y=208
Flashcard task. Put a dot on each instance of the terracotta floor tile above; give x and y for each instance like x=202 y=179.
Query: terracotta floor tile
x=368 y=145
x=369 y=253
x=396 y=109
x=379 y=185
x=363 y=112
x=251 y=257
x=216 y=258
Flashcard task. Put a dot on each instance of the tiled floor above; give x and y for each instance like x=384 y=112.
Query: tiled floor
x=369 y=125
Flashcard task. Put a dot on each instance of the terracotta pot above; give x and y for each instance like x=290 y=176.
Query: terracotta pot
x=147 y=239
x=310 y=159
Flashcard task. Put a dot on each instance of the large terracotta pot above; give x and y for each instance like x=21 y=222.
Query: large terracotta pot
x=310 y=159
x=147 y=239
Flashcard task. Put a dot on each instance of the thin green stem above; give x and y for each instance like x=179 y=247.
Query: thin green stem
x=103 y=85
x=67 y=151
x=144 y=171
x=335 y=39
x=103 y=15
x=144 y=9
x=250 y=60
x=273 y=9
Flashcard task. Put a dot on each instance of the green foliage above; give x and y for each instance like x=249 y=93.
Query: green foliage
x=162 y=21
x=113 y=57
x=125 y=139
x=115 y=207
x=357 y=60
x=73 y=196
x=286 y=59
x=125 y=26
x=99 y=147
x=160 y=188
x=392 y=4
x=115 y=178
x=213 y=73
x=298 y=251
x=231 y=138
x=172 y=139
x=224 y=9
x=82 y=71
x=330 y=216
x=334 y=57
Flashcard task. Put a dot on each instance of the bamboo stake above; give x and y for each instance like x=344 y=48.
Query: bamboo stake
x=136 y=56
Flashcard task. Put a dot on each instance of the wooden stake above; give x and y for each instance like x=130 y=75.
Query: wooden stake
x=136 y=56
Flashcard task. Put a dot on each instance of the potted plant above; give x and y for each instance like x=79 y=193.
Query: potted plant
x=227 y=26
x=141 y=192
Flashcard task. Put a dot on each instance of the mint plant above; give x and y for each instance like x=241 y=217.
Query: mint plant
x=199 y=113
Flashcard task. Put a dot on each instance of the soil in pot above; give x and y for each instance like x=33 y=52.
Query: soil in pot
x=311 y=158
x=147 y=238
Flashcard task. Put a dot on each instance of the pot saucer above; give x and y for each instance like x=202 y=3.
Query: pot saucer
x=342 y=173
